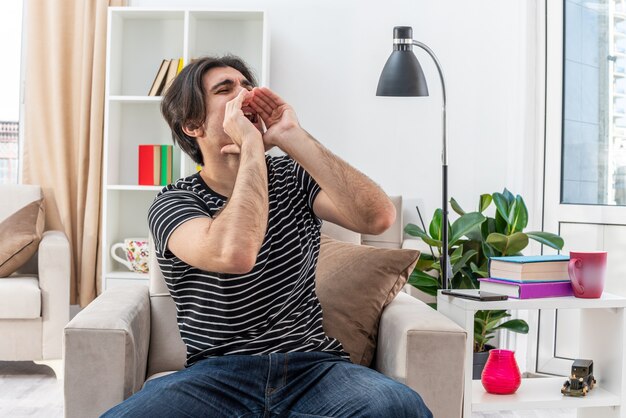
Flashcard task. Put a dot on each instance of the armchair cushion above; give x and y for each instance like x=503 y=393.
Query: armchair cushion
x=20 y=235
x=20 y=298
x=354 y=283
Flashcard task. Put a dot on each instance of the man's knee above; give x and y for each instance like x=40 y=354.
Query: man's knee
x=394 y=399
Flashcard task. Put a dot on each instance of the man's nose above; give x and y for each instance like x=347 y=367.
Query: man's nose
x=241 y=87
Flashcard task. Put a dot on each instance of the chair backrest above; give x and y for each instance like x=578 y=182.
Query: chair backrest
x=16 y=196
x=167 y=350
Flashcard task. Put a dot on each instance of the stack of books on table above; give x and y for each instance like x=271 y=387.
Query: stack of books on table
x=528 y=277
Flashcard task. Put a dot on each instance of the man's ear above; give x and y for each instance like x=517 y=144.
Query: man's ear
x=193 y=131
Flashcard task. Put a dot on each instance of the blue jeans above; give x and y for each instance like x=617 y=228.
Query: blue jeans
x=276 y=385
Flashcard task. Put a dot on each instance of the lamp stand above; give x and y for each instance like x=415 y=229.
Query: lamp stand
x=446 y=268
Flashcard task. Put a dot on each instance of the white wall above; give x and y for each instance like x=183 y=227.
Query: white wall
x=326 y=57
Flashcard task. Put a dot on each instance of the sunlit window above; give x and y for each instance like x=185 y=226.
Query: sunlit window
x=11 y=33
x=594 y=103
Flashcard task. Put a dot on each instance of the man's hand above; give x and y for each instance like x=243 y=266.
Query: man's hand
x=279 y=117
x=348 y=198
x=236 y=125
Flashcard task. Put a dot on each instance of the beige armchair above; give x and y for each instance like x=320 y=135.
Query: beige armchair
x=34 y=301
x=129 y=334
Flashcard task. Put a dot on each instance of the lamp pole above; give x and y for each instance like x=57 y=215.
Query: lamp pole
x=446 y=272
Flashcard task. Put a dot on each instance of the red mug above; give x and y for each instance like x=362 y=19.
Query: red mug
x=587 y=270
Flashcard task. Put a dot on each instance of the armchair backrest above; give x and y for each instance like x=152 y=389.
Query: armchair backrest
x=168 y=353
x=16 y=196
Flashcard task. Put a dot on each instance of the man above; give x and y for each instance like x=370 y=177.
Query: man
x=238 y=243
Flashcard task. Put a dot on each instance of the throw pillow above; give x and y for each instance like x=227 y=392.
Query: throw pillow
x=20 y=235
x=354 y=283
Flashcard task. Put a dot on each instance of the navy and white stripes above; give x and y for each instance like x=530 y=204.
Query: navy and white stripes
x=273 y=308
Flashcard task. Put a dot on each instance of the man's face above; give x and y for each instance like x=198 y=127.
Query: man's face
x=222 y=84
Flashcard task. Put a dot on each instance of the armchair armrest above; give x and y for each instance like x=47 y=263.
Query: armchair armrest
x=53 y=269
x=106 y=351
x=425 y=350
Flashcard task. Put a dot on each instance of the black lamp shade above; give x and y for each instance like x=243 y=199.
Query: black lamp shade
x=402 y=74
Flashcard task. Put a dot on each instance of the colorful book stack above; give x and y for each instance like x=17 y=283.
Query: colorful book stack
x=155 y=165
x=528 y=277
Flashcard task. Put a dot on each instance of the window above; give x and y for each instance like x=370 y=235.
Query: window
x=10 y=29
x=594 y=103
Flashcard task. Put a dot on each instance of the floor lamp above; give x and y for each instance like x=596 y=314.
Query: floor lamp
x=402 y=76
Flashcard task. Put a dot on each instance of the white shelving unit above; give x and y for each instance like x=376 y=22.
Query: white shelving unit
x=138 y=40
x=603 y=335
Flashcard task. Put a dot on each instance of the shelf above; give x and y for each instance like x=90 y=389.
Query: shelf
x=138 y=40
x=537 y=393
x=136 y=99
x=569 y=302
x=126 y=275
x=135 y=188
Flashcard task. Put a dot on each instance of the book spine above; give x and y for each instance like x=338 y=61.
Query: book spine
x=146 y=165
x=158 y=79
x=163 y=165
x=180 y=66
x=170 y=163
x=527 y=290
x=546 y=291
x=166 y=165
x=156 y=173
x=530 y=277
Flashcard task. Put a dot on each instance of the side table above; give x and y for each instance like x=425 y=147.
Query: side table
x=602 y=327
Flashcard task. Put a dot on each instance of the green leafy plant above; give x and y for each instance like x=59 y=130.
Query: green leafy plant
x=474 y=238
x=486 y=323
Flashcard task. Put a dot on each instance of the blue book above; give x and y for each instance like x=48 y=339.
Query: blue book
x=534 y=268
x=532 y=258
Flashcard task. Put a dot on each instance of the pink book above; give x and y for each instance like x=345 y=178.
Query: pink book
x=532 y=290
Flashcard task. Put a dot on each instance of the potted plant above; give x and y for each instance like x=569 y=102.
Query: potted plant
x=473 y=238
x=486 y=323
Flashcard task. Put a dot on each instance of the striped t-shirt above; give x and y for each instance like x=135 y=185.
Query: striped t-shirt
x=271 y=309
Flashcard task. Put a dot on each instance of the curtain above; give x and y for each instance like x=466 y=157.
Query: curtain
x=63 y=124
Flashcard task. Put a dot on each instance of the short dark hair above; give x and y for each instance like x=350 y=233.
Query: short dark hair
x=184 y=102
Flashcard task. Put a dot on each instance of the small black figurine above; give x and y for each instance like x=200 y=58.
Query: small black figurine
x=581 y=380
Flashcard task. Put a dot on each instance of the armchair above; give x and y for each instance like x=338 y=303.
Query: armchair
x=129 y=334
x=34 y=301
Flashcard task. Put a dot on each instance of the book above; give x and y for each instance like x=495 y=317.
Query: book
x=149 y=165
x=166 y=165
x=169 y=77
x=156 y=166
x=180 y=66
x=530 y=268
x=157 y=84
x=532 y=290
x=146 y=165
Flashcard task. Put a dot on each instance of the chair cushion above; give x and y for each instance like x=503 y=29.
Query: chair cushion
x=20 y=235
x=354 y=283
x=20 y=298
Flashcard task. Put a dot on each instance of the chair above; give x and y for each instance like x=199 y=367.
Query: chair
x=130 y=334
x=34 y=301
